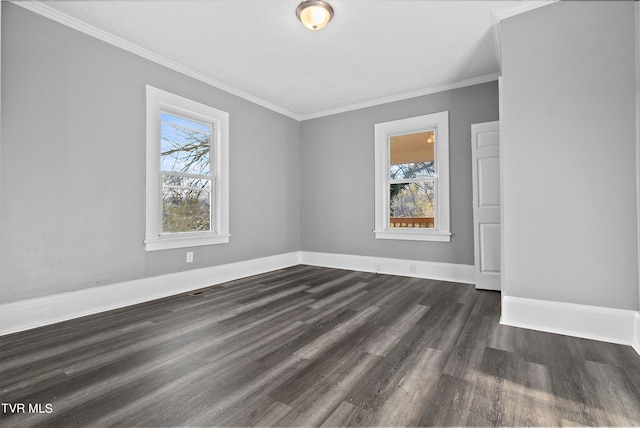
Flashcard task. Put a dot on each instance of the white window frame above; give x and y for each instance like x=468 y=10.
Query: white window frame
x=159 y=101
x=439 y=123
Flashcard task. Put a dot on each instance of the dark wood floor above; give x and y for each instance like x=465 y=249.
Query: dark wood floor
x=309 y=346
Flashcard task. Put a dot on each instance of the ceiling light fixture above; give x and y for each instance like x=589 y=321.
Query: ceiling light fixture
x=314 y=14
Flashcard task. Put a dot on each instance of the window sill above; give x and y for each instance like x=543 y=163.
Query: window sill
x=413 y=235
x=169 y=242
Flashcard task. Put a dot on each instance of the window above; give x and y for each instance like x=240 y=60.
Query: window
x=187 y=199
x=412 y=178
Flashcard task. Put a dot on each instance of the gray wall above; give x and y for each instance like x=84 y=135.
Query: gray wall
x=338 y=176
x=72 y=180
x=637 y=18
x=568 y=154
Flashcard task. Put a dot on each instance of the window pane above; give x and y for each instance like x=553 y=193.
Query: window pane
x=185 y=145
x=186 y=123
x=185 y=210
x=412 y=155
x=175 y=180
x=412 y=205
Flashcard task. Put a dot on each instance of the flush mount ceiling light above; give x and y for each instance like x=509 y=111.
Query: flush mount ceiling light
x=314 y=14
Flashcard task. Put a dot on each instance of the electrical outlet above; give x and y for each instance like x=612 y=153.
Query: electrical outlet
x=412 y=267
x=190 y=257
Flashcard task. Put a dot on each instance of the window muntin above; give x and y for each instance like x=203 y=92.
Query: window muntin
x=412 y=178
x=187 y=172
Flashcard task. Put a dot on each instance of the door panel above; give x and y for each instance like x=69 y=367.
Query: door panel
x=489 y=248
x=488 y=176
x=488 y=139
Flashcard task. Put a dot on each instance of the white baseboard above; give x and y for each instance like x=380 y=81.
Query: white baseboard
x=636 y=332
x=431 y=270
x=31 y=313
x=589 y=322
x=40 y=311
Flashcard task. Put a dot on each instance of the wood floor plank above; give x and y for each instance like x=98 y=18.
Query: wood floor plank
x=319 y=345
x=347 y=303
x=405 y=405
x=530 y=400
x=388 y=291
x=574 y=402
x=468 y=351
x=286 y=347
x=346 y=414
x=617 y=395
x=313 y=346
x=264 y=412
x=323 y=284
x=325 y=371
x=450 y=403
x=265 y=380
x=389 y=337
x=397 y=307
x=487 y=408
x=311 y=408
x=335 y=297
x=373 y=390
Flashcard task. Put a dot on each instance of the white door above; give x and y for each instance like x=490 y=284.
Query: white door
x=485 y=152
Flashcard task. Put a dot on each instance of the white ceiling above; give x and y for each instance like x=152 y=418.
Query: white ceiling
x=372 y=51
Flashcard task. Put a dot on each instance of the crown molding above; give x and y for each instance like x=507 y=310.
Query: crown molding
x=64 y=19
x=48 y=12
x=404 y=96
